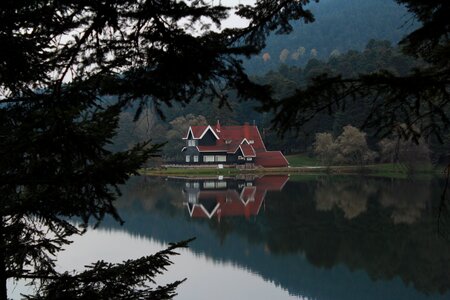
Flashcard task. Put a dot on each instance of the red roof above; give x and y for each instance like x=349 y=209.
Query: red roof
x=222 y=148
x=247 y=150
x=248 y=194
x=271 y=159
x=225 y=203
x=197 y=131
x=245 y=137
x=272 y=182
x=228 y=203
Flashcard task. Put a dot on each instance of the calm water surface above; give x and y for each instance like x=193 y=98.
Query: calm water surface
x=280 y=237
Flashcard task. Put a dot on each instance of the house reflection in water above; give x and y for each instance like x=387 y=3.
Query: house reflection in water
x=208 y=198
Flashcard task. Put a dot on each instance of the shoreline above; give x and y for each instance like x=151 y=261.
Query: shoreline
x=378 y=170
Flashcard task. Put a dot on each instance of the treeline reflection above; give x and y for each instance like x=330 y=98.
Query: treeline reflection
x=384 y=227
x=406 y=199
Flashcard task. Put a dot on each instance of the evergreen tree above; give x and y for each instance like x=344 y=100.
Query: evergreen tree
x=59 y=63
x=419 y=99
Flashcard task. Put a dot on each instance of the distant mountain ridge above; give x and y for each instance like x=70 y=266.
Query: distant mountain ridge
x=340 y=26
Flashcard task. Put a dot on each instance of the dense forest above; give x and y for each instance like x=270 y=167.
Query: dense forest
x=339 y=26
x=366 y=42
x=377 y=55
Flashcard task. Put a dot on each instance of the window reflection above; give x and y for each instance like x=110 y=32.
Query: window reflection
x=221 y=198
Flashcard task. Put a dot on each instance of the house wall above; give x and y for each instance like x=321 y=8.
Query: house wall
x=209 y=140
x=231 y=158
x=214 y=162
x=192 y=151
x=234 y=158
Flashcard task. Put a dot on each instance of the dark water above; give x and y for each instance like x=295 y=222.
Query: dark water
x=315 y=237
x=275 y=237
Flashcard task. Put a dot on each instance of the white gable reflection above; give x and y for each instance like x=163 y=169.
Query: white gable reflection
x=208 y=198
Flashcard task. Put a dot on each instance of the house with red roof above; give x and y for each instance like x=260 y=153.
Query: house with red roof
x=229 y=145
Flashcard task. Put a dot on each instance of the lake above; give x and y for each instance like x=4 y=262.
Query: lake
x=281 y=237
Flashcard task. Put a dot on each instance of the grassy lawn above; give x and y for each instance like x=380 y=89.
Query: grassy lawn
x=187 y=172
x=301 y=160
x=299 y=166
x=191 y=171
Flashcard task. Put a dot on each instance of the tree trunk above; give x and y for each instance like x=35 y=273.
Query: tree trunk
x=3 y=278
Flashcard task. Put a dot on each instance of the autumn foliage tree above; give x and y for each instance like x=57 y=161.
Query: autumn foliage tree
x=352 y=147
x=396 y=150
x=325 y=148
x=348 y=148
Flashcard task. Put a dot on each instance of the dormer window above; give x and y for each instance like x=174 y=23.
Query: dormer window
x=192 y=143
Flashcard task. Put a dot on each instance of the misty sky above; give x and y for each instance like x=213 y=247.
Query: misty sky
x=233 y=21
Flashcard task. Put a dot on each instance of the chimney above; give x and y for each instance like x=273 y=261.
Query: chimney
x=218 y=126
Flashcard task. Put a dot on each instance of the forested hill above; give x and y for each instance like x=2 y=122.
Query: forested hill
x=284 y=80
x=340 y=25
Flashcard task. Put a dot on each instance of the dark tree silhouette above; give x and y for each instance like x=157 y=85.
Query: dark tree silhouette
x=67 y=70
x=419 y=99
x=69 y=67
